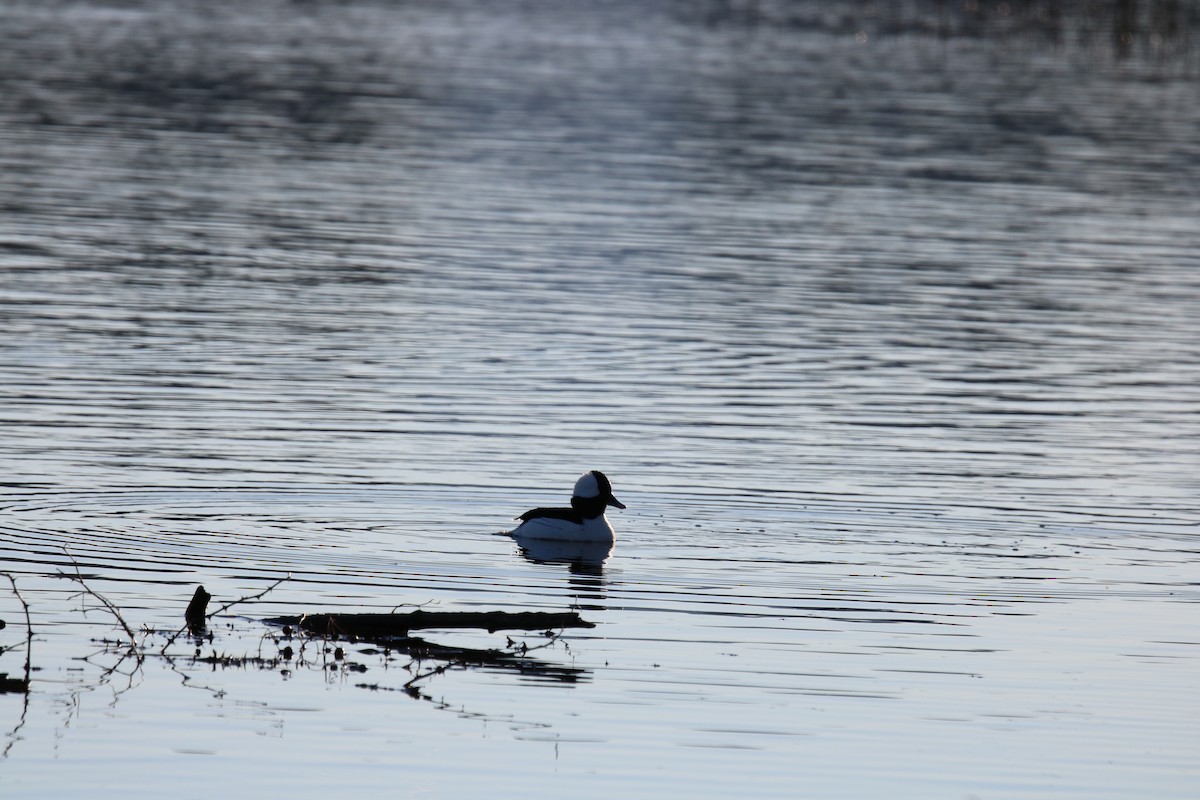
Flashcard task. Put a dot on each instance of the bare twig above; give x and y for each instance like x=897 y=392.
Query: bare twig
x=112 y=609
x=410 y=686
x=416 y=606
x=233 y=603
x=521 y=648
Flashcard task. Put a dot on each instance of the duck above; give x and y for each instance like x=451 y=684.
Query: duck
x=584 y=521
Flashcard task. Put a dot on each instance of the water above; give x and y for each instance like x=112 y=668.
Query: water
x=881 y=321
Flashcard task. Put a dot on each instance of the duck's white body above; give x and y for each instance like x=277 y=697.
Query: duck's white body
x=584 y=521
x=596 y=529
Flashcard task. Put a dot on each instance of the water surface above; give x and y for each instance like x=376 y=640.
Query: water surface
x=882 y=324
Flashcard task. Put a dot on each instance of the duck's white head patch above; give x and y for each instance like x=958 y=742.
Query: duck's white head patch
x=587 y=486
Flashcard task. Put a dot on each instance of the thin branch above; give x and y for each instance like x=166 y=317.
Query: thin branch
x=233 y=603
x=415 y=606
x=112 y=609
x=410 y=686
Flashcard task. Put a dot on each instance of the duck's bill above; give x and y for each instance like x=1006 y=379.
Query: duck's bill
x=612 y=501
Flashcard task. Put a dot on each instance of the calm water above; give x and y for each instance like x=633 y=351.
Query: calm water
x=883 y=322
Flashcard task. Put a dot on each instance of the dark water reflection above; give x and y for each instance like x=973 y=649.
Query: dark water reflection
x=880 y=316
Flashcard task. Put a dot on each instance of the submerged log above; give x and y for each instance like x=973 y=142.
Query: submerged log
x=386 y=625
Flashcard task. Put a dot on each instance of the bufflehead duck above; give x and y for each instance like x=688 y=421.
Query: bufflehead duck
x=583 y=522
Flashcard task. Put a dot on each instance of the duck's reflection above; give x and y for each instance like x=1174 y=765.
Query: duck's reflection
x=584 y=562
x=585 y=558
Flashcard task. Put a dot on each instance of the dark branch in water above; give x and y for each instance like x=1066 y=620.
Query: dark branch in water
x=515 y=659
x=196 y=618
x=20 y=685
x=373 y=626
x=390 y=631
x=195 y=610
x=8 y=684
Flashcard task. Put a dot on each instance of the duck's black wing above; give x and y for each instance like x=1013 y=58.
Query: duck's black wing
x=569 y=514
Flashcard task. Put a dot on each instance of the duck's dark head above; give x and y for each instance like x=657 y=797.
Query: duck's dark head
x=593 y=493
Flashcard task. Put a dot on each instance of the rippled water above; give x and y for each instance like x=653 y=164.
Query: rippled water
x=882 y=320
